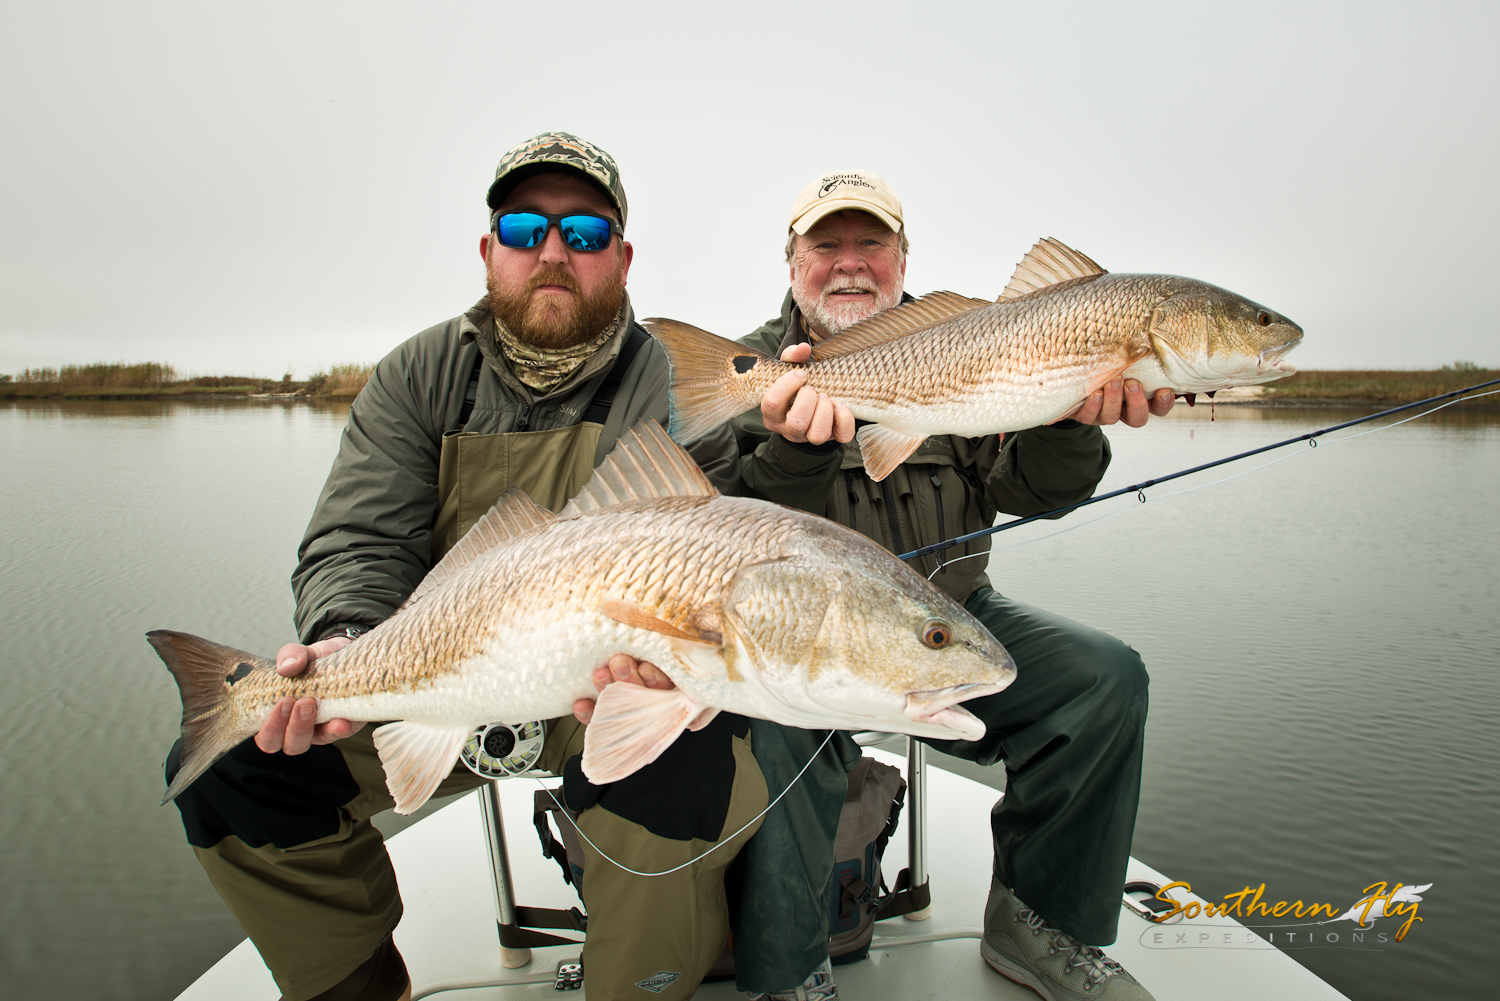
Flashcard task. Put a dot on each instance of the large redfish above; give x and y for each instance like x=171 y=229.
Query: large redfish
x=948 y=364
x=748 y=606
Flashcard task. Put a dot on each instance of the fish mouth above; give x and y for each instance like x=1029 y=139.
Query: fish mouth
x=1224 y=369
x=941 y=708
x=1274 y=359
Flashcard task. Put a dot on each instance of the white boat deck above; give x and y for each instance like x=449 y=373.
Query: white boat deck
x=448 y=938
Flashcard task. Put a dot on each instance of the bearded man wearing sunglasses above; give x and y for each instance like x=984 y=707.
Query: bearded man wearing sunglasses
x=1069 y=729
x=529 y=388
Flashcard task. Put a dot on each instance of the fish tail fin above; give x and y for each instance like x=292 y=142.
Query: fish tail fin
x=205 y=673
x=711 y=378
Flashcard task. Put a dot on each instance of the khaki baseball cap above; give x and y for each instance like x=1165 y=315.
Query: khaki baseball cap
x=547 y=152
x=853 y=189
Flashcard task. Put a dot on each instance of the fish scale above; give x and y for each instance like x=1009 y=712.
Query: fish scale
x=946 y=364
x=693 y=582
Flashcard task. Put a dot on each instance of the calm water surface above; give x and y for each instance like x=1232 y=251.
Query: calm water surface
x=1322 y=638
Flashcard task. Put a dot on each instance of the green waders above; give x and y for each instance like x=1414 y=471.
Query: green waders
x=288 y=842
x=1071 y=731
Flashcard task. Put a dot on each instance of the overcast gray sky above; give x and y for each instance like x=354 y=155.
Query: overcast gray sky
x=247 y=187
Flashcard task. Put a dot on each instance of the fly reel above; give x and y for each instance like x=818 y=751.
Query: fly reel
x=501 y=749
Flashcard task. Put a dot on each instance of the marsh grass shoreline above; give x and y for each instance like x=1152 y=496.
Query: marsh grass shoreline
x=156 y=380
x=1332 y=387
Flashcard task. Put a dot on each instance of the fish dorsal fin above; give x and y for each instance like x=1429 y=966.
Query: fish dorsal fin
x=644 y=464
x=513 y=514
x=896 y=322
x=1049 y=262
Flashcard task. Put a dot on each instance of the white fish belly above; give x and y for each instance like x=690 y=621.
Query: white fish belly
x=984 y=410
x=525 y=672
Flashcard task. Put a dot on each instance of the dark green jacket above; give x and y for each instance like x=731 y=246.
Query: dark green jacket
x=950 y=486
x=370 y=539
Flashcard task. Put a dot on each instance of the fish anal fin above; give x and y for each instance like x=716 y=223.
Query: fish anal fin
x=627 y=614
x=885 y=448
x=646 y=464
x=896 y=322
x=416 y=758
x=1049 y=262
x=512 y=515
x=632 y=725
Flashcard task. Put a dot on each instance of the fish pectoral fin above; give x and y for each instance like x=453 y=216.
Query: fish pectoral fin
x=416 y=757
x=885 y=448
x=632 y=725
x=627 y=614
x=1108 y=370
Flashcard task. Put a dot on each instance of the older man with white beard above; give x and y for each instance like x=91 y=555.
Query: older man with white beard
x=1070 y=728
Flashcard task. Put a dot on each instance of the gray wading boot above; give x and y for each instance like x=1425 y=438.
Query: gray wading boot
x=1020 y=945
x=382 y=977
x=818 y=986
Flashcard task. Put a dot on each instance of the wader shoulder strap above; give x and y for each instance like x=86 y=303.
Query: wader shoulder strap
x=598 y=409
x=471 y=394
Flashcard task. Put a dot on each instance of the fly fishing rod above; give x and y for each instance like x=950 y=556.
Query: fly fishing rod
x=1139 y=488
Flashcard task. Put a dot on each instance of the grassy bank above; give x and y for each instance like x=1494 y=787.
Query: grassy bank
x=148 y=380
x=157 y=379
x=1377 y=385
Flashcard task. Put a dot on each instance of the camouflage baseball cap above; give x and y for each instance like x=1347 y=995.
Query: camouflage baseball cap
x=545 y=154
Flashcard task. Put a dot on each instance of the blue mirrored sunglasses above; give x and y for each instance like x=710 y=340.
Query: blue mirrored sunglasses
x=527 y=229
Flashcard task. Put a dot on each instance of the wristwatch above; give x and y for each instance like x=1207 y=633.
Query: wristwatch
x=354 y=632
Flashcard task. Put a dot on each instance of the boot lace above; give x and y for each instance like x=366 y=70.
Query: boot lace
x=1091 y=959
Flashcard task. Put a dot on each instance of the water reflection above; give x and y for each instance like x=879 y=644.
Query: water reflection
x=1320 y=633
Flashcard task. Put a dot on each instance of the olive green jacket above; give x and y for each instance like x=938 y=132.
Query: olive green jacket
x=370 y=539
x=950 y=486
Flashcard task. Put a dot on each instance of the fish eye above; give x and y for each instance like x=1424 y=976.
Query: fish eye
x=1263 y=318
x=937 y=635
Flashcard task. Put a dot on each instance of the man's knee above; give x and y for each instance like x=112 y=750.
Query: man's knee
x=684 y=794
x=655 y=936
x=1116 y=668
x=265 y=798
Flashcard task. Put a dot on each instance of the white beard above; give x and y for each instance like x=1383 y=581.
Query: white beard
x=829 y=314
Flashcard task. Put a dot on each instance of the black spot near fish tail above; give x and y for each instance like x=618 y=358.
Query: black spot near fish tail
x=238 y=674
x=744 y=363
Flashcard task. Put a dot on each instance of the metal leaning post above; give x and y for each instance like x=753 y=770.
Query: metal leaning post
x=505 y=894
x=916 y=820
x=508 y=915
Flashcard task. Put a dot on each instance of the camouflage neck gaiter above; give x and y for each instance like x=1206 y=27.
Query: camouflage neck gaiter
x=544 y=369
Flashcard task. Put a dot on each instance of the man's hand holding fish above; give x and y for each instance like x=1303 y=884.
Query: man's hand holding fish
x=918 y=420
x=491 y=574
